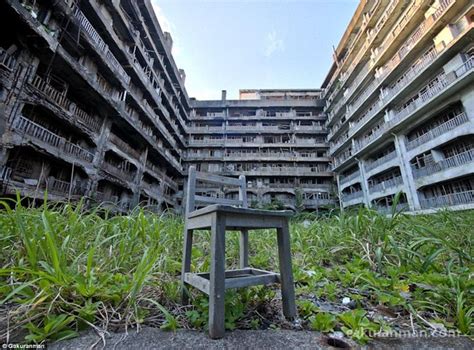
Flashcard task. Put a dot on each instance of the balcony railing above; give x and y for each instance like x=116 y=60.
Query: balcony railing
x=117 y=171
x=154 y=189
x=457 y=198
x=318 y=202
x=386 y=158
x=451 y=162
x=441 y=129
x=89 y=29
x=207 y=128
x=64 y=187
x=161 y=175
x=410 y=74
x=388 y=184
x=428 y=93
x=7 y=60
x=395 y=60
x=345 y=179
x=5 y=173
x=361 y=143
x=207 y=142
x=60 y=99
x=388 y=210
x=370 y=37
x=432 y=90
x=280 y=170
x=123 y=146
x=352 y=196
x=40 y=133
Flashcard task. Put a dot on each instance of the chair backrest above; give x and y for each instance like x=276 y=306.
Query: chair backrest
x=192 y=199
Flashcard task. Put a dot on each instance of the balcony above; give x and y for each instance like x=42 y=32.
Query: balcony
x=64 y=187
x=386 y=185
x=426 y=95
x=368 y=43
x=206 y=142
x=352 y=196
x=100 y=44
x=388 y=210
x=125 y=147
x=432 y=90
x=348 y=178
x=153 y=189
x=382 y=160
x=117 y=171
x=441 y=129
x=368 y=115
x=287 y=171
x=451 y=162
x=5 y=173
x=318 y=202
x=397 y=58
x=160 y=175
x=368 y=138
x=339 y=143
x=7 y=61
x=60 y=99
x=205 y=129
x=447 y=200
x=38 y=132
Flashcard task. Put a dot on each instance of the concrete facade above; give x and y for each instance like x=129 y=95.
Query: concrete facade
x=276 y=138
x=90 y=109
x=399 y=100
x=92 y=105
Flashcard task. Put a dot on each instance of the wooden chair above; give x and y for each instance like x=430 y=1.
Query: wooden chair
x=229 y=214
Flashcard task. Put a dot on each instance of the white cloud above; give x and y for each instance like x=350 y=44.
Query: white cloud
x=165 y=23
x=167 y=26
x=273 y=43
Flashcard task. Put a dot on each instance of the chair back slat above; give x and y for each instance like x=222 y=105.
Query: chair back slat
x=192 y=199
x=216 y=200
x=217 y=179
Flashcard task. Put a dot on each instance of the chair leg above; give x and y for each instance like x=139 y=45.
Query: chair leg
x=186 y=266
x=217 y=278
x=244 y=248
x=286 y=273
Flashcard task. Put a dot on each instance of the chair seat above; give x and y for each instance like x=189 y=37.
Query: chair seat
x=238 y=210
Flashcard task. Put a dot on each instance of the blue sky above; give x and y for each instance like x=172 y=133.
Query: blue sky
x=238 y=44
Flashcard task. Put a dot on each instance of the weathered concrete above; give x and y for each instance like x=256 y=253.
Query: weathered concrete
x=153 y=338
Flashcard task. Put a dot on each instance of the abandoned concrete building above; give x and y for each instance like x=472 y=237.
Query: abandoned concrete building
x=276 y=138
x=92 y=105
x=90 y=109
x=400 y=105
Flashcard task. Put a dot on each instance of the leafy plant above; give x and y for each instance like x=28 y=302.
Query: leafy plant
x=323 y=322
x=356 y=325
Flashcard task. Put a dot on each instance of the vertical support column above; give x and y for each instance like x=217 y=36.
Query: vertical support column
x=217 y=278
x=468 y=104
x=286 y=271
x=139 y=177
x=244 y=233
x=99 y=155
x=407 y=173
x=339 y=192
x=363 y=182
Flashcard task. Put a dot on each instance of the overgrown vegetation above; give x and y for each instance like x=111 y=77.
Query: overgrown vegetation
x=64 y=269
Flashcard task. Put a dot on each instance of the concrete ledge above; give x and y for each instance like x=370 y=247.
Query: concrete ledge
x=153 y=338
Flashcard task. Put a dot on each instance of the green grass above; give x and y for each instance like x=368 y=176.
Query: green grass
x=65 y=269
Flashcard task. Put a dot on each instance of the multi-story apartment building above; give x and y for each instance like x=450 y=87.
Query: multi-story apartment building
x=276 y=138
x=92 y=103
x=400 y=104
